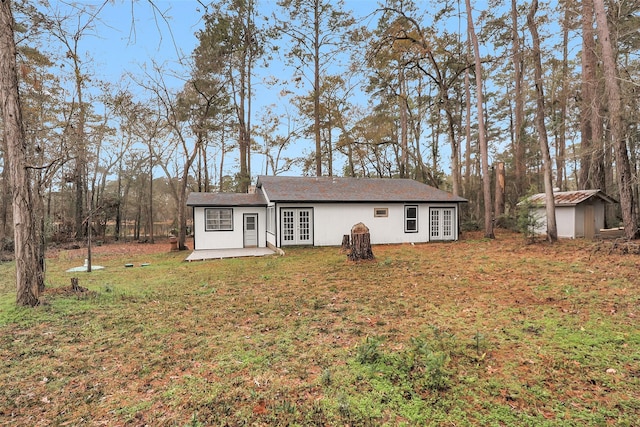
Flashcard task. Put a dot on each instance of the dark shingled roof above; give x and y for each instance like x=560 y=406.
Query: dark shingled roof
x=333 y=189
x=227 y=199
x=569 y=198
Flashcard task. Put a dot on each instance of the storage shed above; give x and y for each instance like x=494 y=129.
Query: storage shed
x=578 y=213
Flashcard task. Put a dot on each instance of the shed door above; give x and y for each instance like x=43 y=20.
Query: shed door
x=297 y=226
x=250 y=230
x=589 y=222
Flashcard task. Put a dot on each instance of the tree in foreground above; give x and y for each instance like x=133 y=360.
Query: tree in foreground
x=482 y=135
x=29 y=273
x=612 y=90
x=552 y=229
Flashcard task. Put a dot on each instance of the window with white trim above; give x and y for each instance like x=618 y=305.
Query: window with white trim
x=411 y=219
x=218 y=219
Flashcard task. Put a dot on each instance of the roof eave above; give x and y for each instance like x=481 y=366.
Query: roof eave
x=365 y=201
x=227 y=205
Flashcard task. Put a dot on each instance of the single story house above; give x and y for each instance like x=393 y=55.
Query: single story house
x=318 y=211
x=578 y=213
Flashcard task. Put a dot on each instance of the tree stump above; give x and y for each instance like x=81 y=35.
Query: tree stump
x=346 y=243
x=360 y=243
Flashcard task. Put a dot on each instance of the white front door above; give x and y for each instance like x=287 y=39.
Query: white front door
x=250 y=230
x=297 y=226
x=442 y=224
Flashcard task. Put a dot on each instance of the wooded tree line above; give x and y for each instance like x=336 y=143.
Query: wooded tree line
x=435 y=91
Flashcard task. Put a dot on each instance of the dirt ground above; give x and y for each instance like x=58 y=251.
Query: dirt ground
x=117 y=248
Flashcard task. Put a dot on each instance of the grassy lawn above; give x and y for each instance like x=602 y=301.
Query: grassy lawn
x=469 y=333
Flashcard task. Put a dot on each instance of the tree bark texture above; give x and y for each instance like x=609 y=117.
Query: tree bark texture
x=612 y=89
x=360 y=243
x=482 y=135
x=592 y=171
x=564 y=94
x=316 y=86
x=499 y=204
x=29 y=274
x=346 y=243
x=552 y=229
x=518 y=140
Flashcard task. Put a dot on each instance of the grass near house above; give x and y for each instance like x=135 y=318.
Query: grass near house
x=475 y=332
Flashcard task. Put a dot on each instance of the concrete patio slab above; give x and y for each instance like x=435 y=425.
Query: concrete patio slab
x=201 y=255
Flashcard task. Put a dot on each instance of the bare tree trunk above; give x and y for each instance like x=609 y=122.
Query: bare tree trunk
x=116 y=231
x=316 y=86
x=518 y=149
x=467 y=129
x=5 y=191
x=404 y=125
x=150 y=216
x=552 y=230
x=564 y=93
x=80 y=177
x=29 y=274
x=500 y=190
x=592 y=171
x=612 y=88
x=482 y=136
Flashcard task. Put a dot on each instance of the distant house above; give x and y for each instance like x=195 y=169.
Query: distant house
x=578 y=213
x=318 y=211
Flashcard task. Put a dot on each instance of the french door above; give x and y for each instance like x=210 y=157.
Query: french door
x=297 y=226
x=442 y=224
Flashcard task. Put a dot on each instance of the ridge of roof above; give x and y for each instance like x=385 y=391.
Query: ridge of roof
x=569 y=198
x=350 y=189
x=227 y=199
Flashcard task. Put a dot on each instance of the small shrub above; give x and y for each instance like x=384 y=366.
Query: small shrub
x=470 y=225
x=368 y=352
x=427 y=368
x=419 y=367
x=326 y=378
x=507 y=222
x=528 y=220
x=6 y=244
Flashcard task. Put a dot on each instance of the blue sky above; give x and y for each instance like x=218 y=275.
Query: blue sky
x=129 y=36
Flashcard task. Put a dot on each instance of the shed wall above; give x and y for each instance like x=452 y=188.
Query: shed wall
x=570 y=219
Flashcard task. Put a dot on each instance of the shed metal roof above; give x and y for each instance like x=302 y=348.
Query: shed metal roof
x=335 y=189
x=570 y=198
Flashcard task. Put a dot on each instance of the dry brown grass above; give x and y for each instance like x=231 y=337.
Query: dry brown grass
x=518 y=334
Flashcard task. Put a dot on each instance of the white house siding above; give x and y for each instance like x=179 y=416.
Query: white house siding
x=227 y=239
x=333 y=220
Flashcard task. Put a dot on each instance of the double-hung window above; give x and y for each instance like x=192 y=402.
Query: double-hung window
x=411 y=219
x=218 y=219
